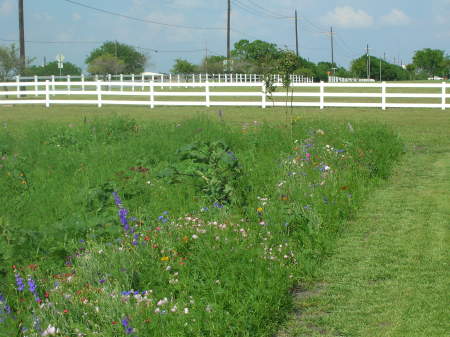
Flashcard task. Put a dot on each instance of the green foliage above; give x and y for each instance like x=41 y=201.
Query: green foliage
x=106 y=64
x=214 y=168
x=9 y=61
x=213 y=64
x=183 y=67
x=52 y=69
x=133 y=61
x=389 y=72
x=432 y=61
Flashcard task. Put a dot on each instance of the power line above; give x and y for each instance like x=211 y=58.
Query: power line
x=270 y=12
x=258 y=12
x=100 y=42
x=140 y=19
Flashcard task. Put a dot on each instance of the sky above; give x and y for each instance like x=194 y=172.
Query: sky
x=188 y=29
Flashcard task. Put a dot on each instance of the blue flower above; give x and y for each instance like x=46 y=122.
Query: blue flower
x=217 y=205
x=117 y=199
x=19 y=282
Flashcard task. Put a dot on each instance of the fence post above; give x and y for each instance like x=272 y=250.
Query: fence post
x=162 y=81
x=444 y=94
x=68 y=83
x=35 y=85
x=132 y=80
x=152 y=94
x=193 y=78
x=47 y=94
x=263 y=95
x=142 y=80
x=82 y=82
x=99 y=95
x=18 y=86
x=383 y=95
x=178 y=78
x=121 y=82
x=207 y=103
x=53 y=83
x=321 y=95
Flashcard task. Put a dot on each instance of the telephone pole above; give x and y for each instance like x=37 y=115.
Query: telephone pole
x=296 y=33
x=332 y=50
x=368 y=62
x=228 y=36
x=21 y=37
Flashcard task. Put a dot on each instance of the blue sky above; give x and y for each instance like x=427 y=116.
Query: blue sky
x=395 y=27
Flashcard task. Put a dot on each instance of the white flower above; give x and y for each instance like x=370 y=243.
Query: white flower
x=50 y=331
x=186 y=310
x=174 y=309
x=162 y=302
x=194 y=236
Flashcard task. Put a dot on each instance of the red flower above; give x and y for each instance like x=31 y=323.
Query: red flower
x=114 y=322
x=65 y=311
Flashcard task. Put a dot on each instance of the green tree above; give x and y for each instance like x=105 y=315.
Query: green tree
x=134 y=61
x=183 y=67
x=9 y=61
x=52 y=69
x=212 y=64
x=432 y=61
x=259 y=53
x=106 y=64
x=389 y=71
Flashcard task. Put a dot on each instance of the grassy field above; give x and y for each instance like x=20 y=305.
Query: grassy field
x=424 y=132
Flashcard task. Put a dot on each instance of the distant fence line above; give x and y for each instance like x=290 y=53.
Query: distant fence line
x=48 y=90
x=163 y=78
x=337 y=79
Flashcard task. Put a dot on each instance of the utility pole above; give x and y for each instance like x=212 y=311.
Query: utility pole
x=228 y=36
x=332 y=47
x=296 y=33
x=206 y=58
x=368 y=62
x=21 y=37
x=380 y=69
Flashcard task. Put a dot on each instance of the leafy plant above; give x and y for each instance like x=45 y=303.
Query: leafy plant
x=213 y=167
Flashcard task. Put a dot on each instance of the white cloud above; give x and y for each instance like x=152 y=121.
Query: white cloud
x=395 y=18
x=347 y=17
x=6 y=7
x=76 y=17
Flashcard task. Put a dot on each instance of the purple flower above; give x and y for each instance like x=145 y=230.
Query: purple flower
x=162 y=219
x=217 y=205
x=19 y=282
x=102 y=281
x=126 y=325
x=33 y=289
x=117 y=199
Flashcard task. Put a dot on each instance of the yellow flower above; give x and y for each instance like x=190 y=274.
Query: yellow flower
x=165 y=258
x=259 y=209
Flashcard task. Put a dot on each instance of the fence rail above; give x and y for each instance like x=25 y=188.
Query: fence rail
x=125 y=93
x=162 y=78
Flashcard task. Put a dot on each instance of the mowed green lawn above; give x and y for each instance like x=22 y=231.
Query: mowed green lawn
x=389 y=274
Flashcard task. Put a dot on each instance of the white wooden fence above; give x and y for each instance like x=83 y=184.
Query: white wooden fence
x=46 y=93
x=162 y=78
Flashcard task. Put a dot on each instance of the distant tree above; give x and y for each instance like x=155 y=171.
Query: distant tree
x=432 y=61
x=134 y=62
x=106 y=64
x=9 y=61
x=52 y=69
x=183 y=67
x=213 y=64
x=389 y=71
x=259 y=53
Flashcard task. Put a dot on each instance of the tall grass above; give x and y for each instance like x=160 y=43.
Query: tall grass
x=210 y=227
